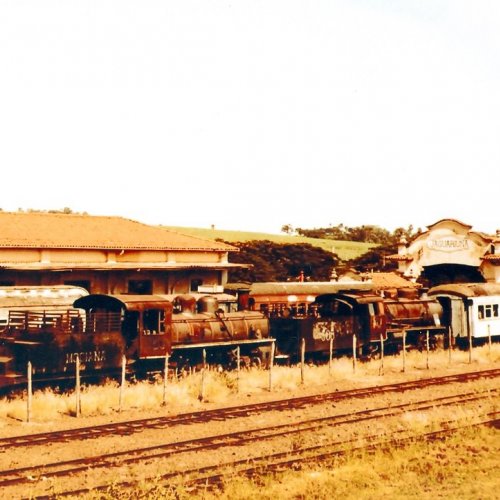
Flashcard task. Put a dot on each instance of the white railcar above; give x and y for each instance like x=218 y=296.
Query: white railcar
x=472 y=310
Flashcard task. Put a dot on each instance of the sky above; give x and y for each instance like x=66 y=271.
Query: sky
x=250 y=115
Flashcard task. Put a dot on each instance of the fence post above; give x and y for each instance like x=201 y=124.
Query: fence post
x=381 y=370
x=330 y=356
x=354 y=353
x=202 y=383
x=489 y=338
x=78 y=409
x=165 y=378
x=122 y=382
x=271 y=363
x=427 y=348
x=449 y=345
x=302 y=359
x=404 y=350
x=238 y=360
x=30 y=392
x=470 y=347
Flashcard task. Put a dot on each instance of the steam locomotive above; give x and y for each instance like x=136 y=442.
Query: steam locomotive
x=100 y=330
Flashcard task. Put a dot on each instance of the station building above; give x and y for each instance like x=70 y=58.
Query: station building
x=450 y=252
x=107 y=255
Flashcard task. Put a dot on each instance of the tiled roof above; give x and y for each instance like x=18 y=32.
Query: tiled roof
x=383 y=281
x=492 y=257
x=44 y=230
x=399 y=257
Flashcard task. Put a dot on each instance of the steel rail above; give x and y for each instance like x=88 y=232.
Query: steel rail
x=203 y=416
x=275 y=462
x=70 y=467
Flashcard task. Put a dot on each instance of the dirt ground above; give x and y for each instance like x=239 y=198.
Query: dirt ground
x=253 y=387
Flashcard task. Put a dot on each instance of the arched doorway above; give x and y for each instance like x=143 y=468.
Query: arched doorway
x=441 y=274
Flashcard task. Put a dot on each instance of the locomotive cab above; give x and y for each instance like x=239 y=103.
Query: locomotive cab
x=359 y=314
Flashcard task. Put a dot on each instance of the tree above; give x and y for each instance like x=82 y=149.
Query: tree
x=287 y=229
x=281 y=262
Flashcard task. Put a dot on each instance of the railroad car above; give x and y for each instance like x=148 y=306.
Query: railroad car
x=472 y=310
x=37 y=298
x=273 y=297
x=101 y=329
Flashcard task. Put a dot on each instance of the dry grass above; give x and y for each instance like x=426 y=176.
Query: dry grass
x=463 y=466
x=184 y=394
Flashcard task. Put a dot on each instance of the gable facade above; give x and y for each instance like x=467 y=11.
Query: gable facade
x=450 y=248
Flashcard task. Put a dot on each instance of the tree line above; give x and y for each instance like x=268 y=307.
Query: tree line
x=271 y=261
x=364 y=233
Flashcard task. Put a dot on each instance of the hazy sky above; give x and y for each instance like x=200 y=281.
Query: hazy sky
x=253 y=114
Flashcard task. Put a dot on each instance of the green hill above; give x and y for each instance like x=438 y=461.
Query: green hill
x=346 y=250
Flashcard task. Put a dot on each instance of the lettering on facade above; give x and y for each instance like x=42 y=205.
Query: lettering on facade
x=448 y=244
x=85 y=357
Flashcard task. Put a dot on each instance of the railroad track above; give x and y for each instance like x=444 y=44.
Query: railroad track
x=213 y=476
x=129 y=427
x=9 y=478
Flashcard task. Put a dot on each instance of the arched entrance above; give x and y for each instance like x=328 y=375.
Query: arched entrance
x=441 y=274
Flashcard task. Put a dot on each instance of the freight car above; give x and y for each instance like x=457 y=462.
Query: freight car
x=472 y=311
x=101 y=329
x=37 y=298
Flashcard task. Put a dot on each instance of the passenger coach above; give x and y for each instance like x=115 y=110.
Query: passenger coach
x=470 y=309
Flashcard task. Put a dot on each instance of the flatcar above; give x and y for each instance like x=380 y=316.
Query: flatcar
x=472 y=310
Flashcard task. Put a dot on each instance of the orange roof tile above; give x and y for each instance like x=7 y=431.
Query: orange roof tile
x=492 y=257
x=399 y=257
x=390 y=280
x=45 y=230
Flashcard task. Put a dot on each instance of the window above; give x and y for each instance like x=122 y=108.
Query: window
x=480 y=312
x=140 y=287
x=154 y=322
x=195 y=283
x=487 y=311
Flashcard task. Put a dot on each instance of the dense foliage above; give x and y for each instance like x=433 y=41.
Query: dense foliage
x=271 y=261
x=277 y=262
x=375 y=260
x=365 y=233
